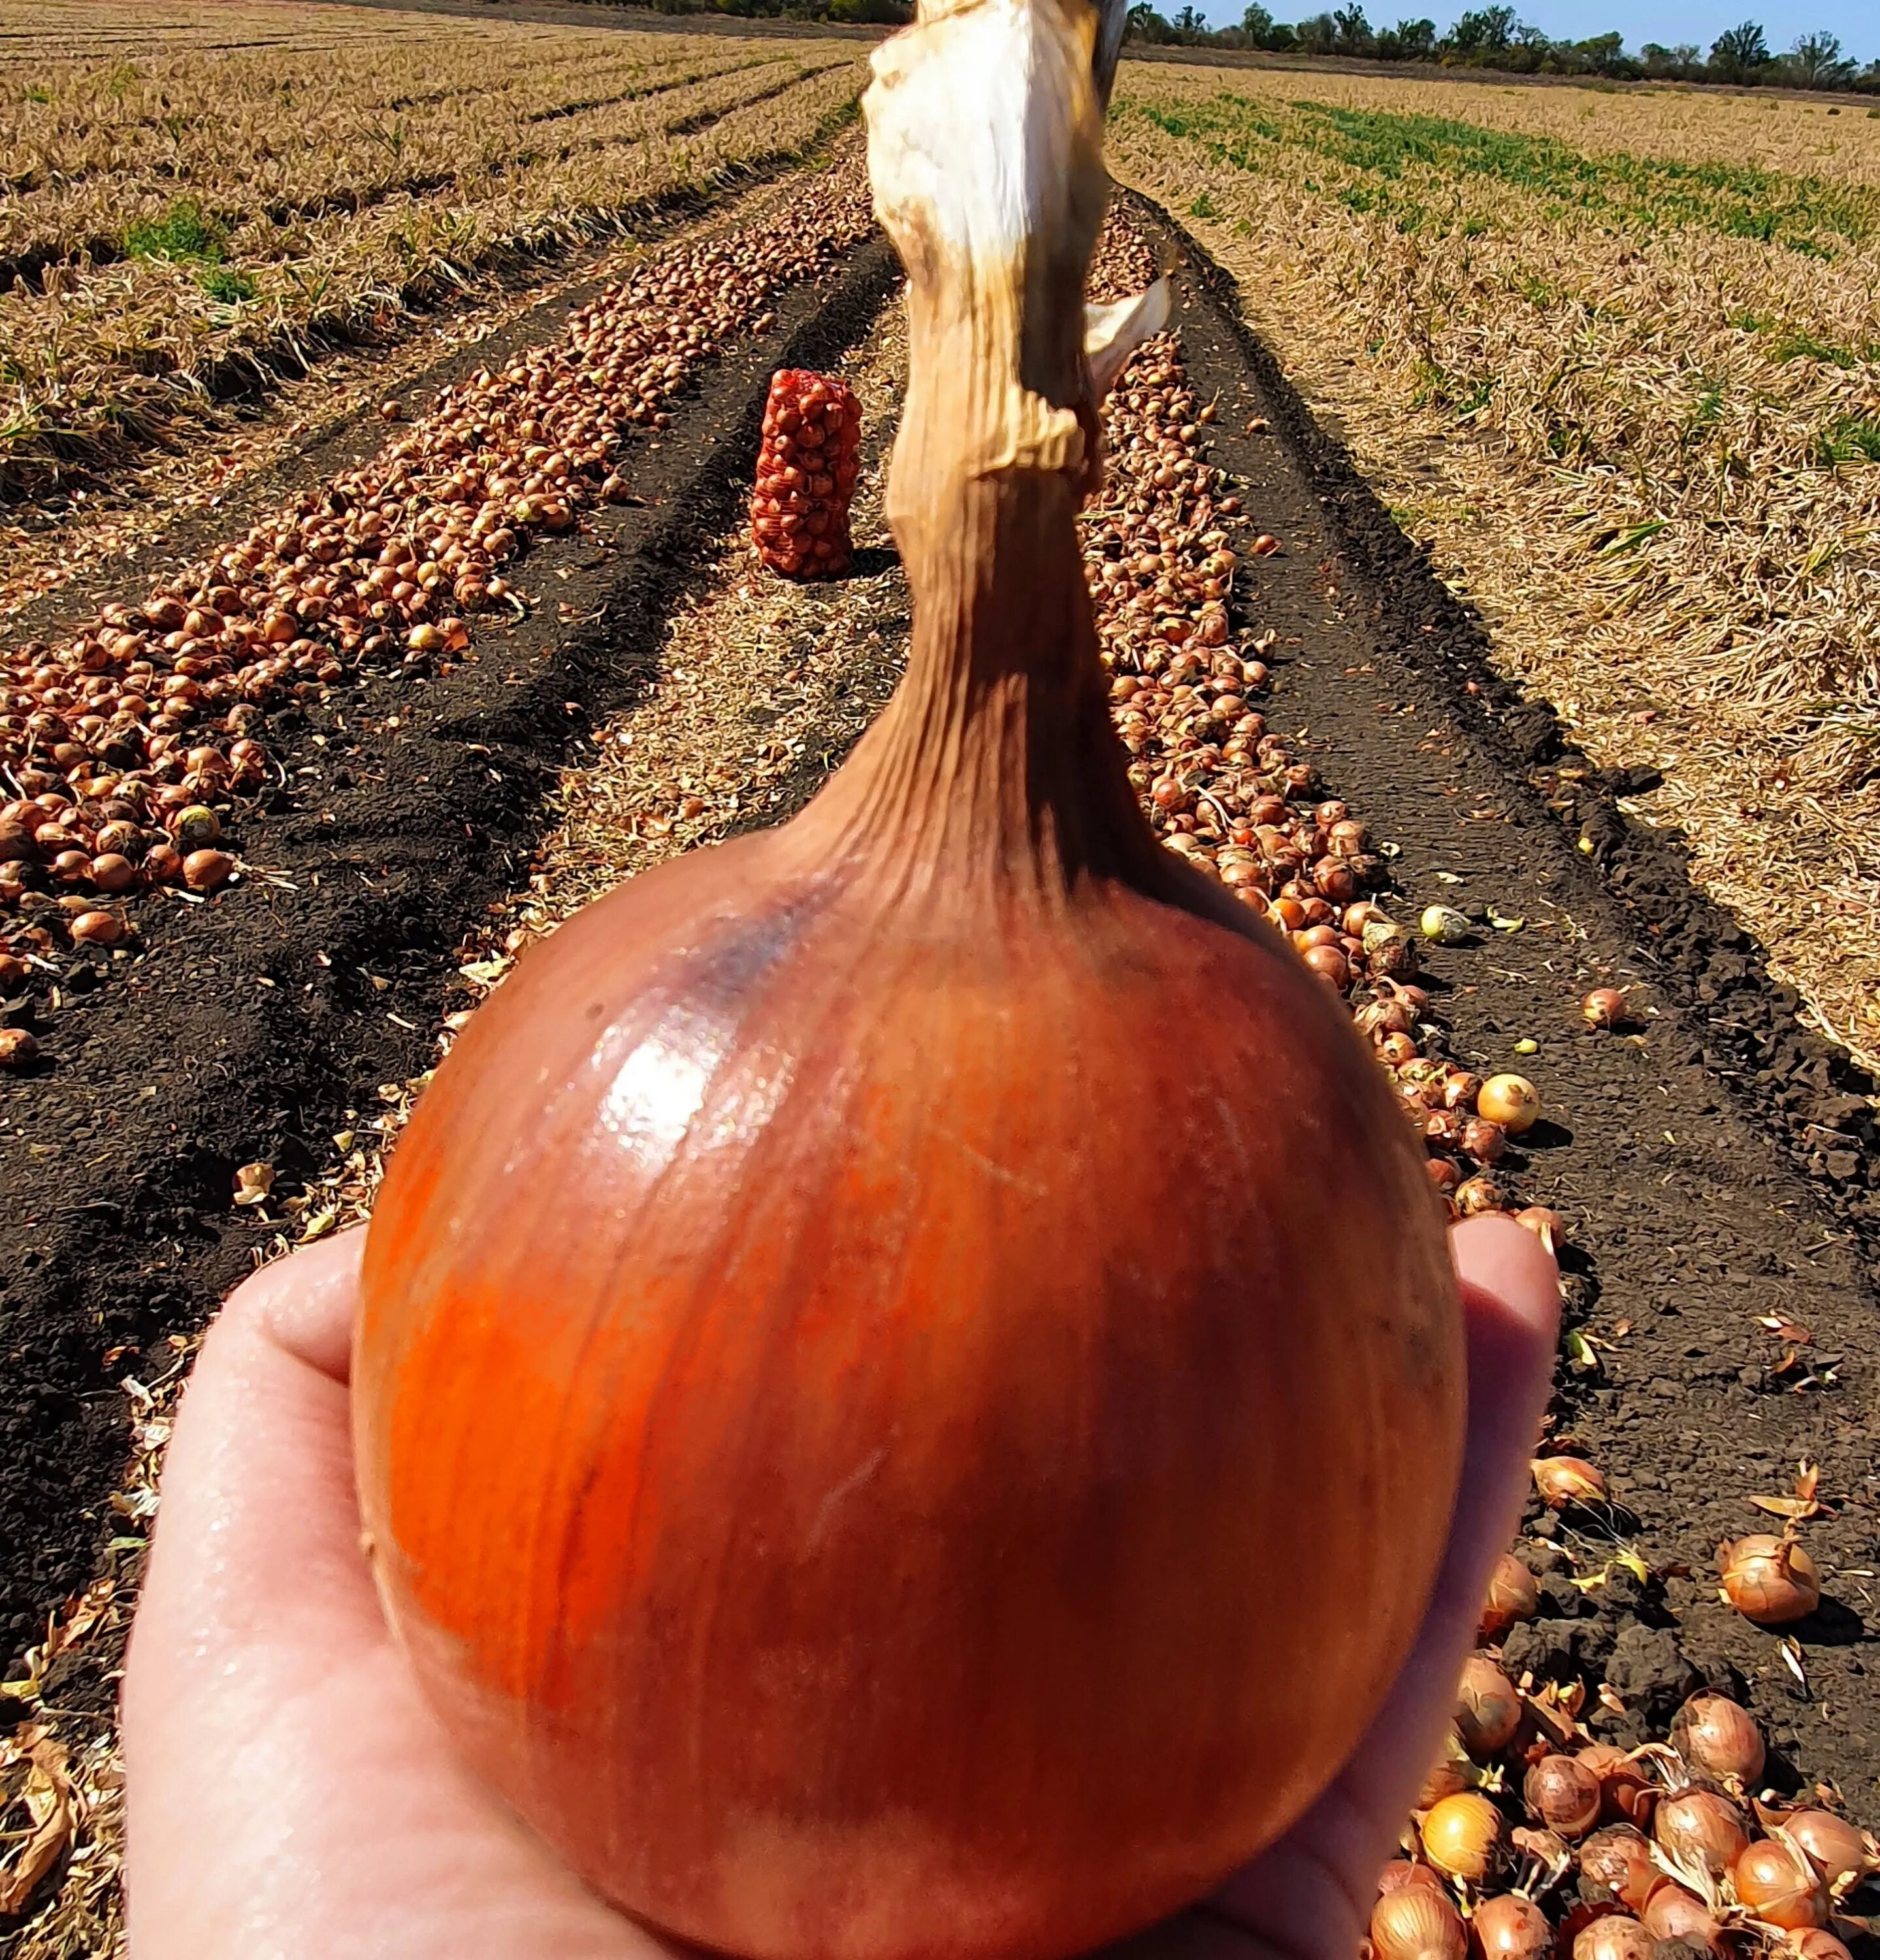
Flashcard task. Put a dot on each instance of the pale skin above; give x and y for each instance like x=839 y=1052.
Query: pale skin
x=291 y=1798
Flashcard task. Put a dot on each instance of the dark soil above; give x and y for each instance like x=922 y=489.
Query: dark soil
x=1714 y=1165
x=248 y=1028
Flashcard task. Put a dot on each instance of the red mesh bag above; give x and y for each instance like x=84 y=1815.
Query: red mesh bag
x=805 y=474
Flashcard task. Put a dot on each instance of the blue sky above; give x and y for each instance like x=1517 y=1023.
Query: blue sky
x=1856 y=21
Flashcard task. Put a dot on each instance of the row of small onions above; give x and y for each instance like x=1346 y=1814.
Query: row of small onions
x=1229 y=793
x=1529 y=1838
x=128 y=745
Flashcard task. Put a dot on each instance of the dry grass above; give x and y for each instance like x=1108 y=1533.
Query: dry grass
x=1617 y=358
x=199 y=191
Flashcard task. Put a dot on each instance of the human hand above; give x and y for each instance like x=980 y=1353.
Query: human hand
x=290 y=1794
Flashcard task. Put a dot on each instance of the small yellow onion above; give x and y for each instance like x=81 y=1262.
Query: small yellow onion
x=17 y=1049
x=1779 y=1886
x=1512 y=1101
x=1512 y=1596
x=1672 y=1913
x=1615 y=1864
x=1487 y=1708
x=1771 y=1580
x=1701 y=1830
x=1615 y=1936
x=1562 y=1481
x=1563 y=1794
x=1510 y=1928
x=1604 y=1008
x=1443 y=925
x=1418 y=1923
x=1842 y=1853
x=1718 y=1738
x=1462 y=1836
x=195 y=827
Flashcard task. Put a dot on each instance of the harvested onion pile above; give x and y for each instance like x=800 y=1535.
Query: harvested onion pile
x=805 y=474
x=1222 y=791
x=1539 y=1841
x=131 y=741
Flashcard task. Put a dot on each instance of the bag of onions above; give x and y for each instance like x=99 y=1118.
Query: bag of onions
x=805 y=474
x=870 y=1449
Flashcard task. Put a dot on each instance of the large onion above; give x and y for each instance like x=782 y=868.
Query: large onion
x=1771 y=1580
x=811 y=1495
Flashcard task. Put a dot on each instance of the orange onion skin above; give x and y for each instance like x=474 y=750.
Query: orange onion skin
x=1509 y=1927
x=1780 y=1886
x=1841 y=1851
x=761 y=1442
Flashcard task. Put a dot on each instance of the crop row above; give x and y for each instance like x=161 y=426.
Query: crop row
x=245 y=210
x=1628 y=395
x=133 y=744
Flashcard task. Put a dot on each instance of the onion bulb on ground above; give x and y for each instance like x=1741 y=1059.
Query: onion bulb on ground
x=836 y=1523
x=1510 y=1926
x=1613 y=1936
x=1779 y=1886
x=1562 y=1481
x=1487 y=1708
x=1841 y=1851
x=1512 y=1101
x=1672 y=1913
x=1415 y=1923
x=1615 y=1864
x=1700 y=1830
x=1604 y=1008
x=1513 y=1596
x=1718 y=1738
x=1771 y=1580
x=1462 y=1836
x=1563 y=1795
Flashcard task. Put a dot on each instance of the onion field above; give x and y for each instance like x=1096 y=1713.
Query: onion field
x=1483 y=572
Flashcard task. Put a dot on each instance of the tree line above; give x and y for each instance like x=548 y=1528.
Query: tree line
x=1493 y=37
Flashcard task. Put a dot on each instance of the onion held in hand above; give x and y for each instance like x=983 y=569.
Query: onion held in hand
x=834 y=1401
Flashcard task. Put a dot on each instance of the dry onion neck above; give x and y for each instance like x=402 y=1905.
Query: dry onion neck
x=996 y=757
